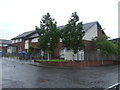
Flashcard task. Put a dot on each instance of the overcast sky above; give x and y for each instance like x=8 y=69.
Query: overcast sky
x=18 y=16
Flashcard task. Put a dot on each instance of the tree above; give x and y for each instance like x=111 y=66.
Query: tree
x=107 y=47
x=49 y=35
x=118 y=49
x=31 y=50
x=73 y=34
x=118 y=46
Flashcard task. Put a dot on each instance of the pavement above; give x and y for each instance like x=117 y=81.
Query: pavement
x=30 y=62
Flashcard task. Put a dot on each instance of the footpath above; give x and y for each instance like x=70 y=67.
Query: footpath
x=29 y=62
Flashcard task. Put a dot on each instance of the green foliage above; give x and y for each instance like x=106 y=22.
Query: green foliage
x=49 y=35
x=31 y=49
x=118 y=46
x=118 y=49
x=107 y=47
x=52 y=60
x=73 y=34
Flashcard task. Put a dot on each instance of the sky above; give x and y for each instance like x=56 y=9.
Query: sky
x=18 y=16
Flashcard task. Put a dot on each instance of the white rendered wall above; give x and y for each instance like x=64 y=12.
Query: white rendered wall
x=91 y=33
x=69 y=55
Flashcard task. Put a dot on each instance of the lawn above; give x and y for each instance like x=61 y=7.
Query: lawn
x=52 y=60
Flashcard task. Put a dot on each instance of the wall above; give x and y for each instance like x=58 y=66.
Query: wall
x=88 y=46
x=100 y=32
x=97 y=55
x=91 y=33
x=11 y=49
x=69 y=55
x=57 y=50
x=79 y=63
x=20 y=45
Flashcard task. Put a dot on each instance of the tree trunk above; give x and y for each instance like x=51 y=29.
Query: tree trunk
x=78 y=55
x=42 y=54
x=48 y=56
x=73 y=57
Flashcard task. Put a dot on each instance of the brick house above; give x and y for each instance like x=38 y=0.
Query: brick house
x=3 y=46
x=92 y=29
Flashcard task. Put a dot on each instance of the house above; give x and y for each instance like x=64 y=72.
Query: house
x=115 y=40
x=12 y=49
x=92 y=29
x=3 y=44
x=20 y=40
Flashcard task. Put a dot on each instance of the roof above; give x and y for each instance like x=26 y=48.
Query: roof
x=3 y=41
x=86 y=27
x=116 y=40
x=34 y=35
x=23 y=35
x=61 y=27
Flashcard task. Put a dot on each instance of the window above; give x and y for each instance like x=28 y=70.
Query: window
x=62 y=53
x=19 y=49
x=3 y=45
x=26 y=44
x=34 y=40
x=18 y=40
x=13 y=41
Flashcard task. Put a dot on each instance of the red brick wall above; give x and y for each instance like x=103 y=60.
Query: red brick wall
x=100 y=32
x=20 y=44
x=3 y=48
x=56 y=53
x=34 y=44
x=57 y=50
x=88 y=45
x=79 y=63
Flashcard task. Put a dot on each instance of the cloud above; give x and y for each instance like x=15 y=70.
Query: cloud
x=15 y=14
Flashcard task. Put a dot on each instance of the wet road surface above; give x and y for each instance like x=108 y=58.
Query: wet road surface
x=21 y=75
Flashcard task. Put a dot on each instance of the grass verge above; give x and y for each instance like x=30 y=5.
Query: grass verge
x=52 y=60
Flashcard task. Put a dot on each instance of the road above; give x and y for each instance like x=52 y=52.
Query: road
x=22 y=75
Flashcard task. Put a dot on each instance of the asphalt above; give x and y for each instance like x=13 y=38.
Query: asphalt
x=27 y=74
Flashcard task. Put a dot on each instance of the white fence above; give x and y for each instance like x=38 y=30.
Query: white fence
x=81 y=55
x=69 y=55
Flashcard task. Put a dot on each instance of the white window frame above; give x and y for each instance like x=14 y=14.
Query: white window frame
x=13 y=41
x=62 y=53
x=26 y=44
x=19 y=40
x=34 y=40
